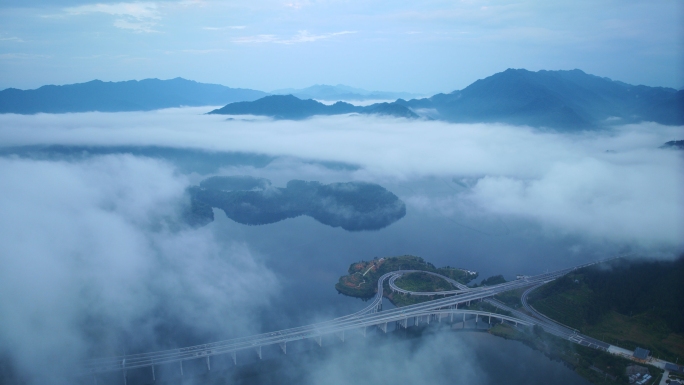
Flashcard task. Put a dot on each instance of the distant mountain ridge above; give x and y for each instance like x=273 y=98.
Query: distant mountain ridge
x=564 y=100
x=342 y=92
x=291 y=107
x=132 y=95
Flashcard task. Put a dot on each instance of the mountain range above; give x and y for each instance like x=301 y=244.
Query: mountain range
x=565 y=100
x=291 y=107
x=342 y=92
x=132 y=95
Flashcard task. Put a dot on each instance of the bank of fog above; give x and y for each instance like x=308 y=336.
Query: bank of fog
x=96 y=262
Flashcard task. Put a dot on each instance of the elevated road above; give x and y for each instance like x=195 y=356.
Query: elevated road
x=370 y=316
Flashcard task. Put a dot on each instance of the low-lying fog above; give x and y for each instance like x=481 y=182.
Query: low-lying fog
x=94 y=259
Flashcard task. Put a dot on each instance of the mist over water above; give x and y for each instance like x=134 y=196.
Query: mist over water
x=96 y=259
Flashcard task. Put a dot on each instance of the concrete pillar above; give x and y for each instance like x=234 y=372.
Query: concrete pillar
x=416 y=321
x=208 y=364
x=154 y=378
x=452 y=317
x=234 y=354
x=428 y=318
x=283 y=347
x=181 y=366
x=463 y=327
x=341 y=335
x=258 y=350
x=489 y=320
x=126 y=375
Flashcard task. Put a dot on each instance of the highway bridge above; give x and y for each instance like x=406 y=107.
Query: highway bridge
x=437 y=310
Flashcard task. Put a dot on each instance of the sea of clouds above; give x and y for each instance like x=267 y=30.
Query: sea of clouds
x=94 y=256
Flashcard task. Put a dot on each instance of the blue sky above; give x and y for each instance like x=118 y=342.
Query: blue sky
x=417 y=46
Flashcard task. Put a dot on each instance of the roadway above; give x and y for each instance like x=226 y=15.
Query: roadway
x=370 y=316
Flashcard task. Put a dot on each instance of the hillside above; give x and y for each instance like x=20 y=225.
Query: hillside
x=132 y=95
x=628 y=303
x=568 y=100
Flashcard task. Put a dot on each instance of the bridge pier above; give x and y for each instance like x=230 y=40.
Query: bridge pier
x=234 y=354
x=181 y=366
x=283 y=347
x=382 y=327
x=208 y=364
x=258 y=350
x=341 y=335
x=154 y=378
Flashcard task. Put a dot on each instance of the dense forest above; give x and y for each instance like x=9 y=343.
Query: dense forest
x=353 y=206
x=628 y=303
x=627 y=287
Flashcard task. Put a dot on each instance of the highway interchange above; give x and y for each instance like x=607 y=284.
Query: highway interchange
x=447 y=307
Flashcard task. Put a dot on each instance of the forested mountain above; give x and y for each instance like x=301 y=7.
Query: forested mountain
x=132 y=95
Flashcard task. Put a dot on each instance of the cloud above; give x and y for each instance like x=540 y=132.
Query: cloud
x=442 y=359
x=137 y=17
x=568 y=183
x=135 y=26
x=301 y=37
x=138 y=11
x=224 y=28
x=94 y=263
x=12 y=38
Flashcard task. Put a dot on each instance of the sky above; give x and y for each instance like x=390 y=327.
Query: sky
x=423 y=47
